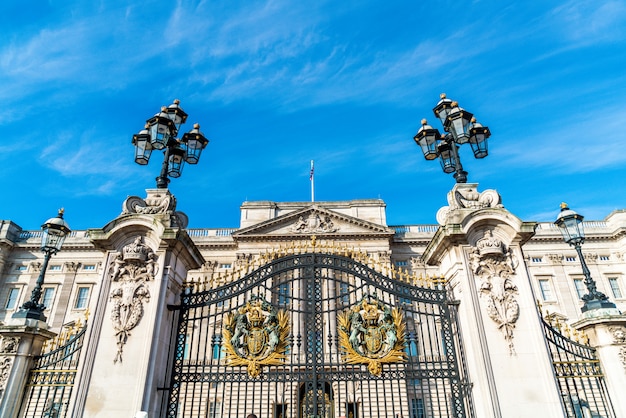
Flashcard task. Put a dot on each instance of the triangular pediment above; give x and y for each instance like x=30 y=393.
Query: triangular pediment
x=314 y=220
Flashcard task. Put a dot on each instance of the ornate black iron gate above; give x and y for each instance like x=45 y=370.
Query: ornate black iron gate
x=315 y=334
x=578 y=374
x=51 y=380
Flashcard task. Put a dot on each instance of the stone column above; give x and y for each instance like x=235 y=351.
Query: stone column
x=22 y=340
x=606 y=329
x=128 y=355
x=478 y=250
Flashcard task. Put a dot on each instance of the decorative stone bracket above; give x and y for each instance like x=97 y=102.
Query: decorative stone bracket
x=495 y=266
x=136 y=265
x=465 y=197
x=158 y=201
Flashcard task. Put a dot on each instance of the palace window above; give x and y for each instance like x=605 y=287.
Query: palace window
x=283 y=294
x=280 y=410
x=21 y=268
x=411 y=345
x=417 y=408
x=570 y=258
x=344 y=293
x=217 y=348
x=401 y=263
x=581 y=289
x=89 y=267
x=604 y=258
x=546 y=289
x=14 y=294
x=215 y=409
x=82 y=298
x=56 y=267
x=537 y=259
x=617 y=292
x=352 y=409
x=403 y=300
x=48 y=297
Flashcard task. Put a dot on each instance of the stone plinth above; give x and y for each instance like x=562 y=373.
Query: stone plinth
x=606 y=329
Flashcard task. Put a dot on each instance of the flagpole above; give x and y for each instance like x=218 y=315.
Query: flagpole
x=312 y=178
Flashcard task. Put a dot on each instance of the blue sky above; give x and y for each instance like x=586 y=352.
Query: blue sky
x=275 y=84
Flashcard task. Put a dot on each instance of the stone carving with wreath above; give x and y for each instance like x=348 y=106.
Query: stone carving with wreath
x=135 y=266
x=256 y=335
x=495 y=266
x=371 y=333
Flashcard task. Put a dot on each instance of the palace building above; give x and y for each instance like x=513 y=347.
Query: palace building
x=316 y=309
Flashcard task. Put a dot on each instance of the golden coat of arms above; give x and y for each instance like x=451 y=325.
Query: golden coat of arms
x=371 y=333
x=256 y=335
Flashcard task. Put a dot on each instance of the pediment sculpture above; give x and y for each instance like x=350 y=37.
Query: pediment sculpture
x=315 y=223
x=131 y=270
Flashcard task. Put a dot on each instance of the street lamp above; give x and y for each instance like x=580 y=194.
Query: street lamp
x=54 y=232
x=160 y=134
x=571 y=226
x=460 y=127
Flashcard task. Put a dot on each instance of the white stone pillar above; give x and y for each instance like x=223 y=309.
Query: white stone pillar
x=606 y=330
x=22 y=340
x=129 y=355
x=478 y=250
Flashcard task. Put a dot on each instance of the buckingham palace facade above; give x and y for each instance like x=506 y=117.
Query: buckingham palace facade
x=316 y=309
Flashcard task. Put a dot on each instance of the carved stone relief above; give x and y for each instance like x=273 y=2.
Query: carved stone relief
x=495 y=266
x=314 y=224
x=591 y=257
x=619 y=337
x=242 y=260
x=416 y=264
x=555 y=258
x=136 y=265
x=622 y=356
x=5 y=371
x=73 y=266
x=209 y=266
x=384 y=257
x=9 y=345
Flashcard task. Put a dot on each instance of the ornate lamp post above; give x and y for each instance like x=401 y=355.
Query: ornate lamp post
x=571 y=226
x=160 y=134
x=461 y=128
x=54 y=232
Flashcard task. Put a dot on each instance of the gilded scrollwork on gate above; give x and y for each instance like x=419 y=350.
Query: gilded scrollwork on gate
x=371 y=333
x=256 y=335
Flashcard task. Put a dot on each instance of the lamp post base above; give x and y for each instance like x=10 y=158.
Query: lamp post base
x=30 y=313
x=597 y=304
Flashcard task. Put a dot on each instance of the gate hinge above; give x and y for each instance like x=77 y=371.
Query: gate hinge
x=174 y=307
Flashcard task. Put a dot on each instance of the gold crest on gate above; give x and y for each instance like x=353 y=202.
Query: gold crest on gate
x=256 y=335
x=371 y=333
